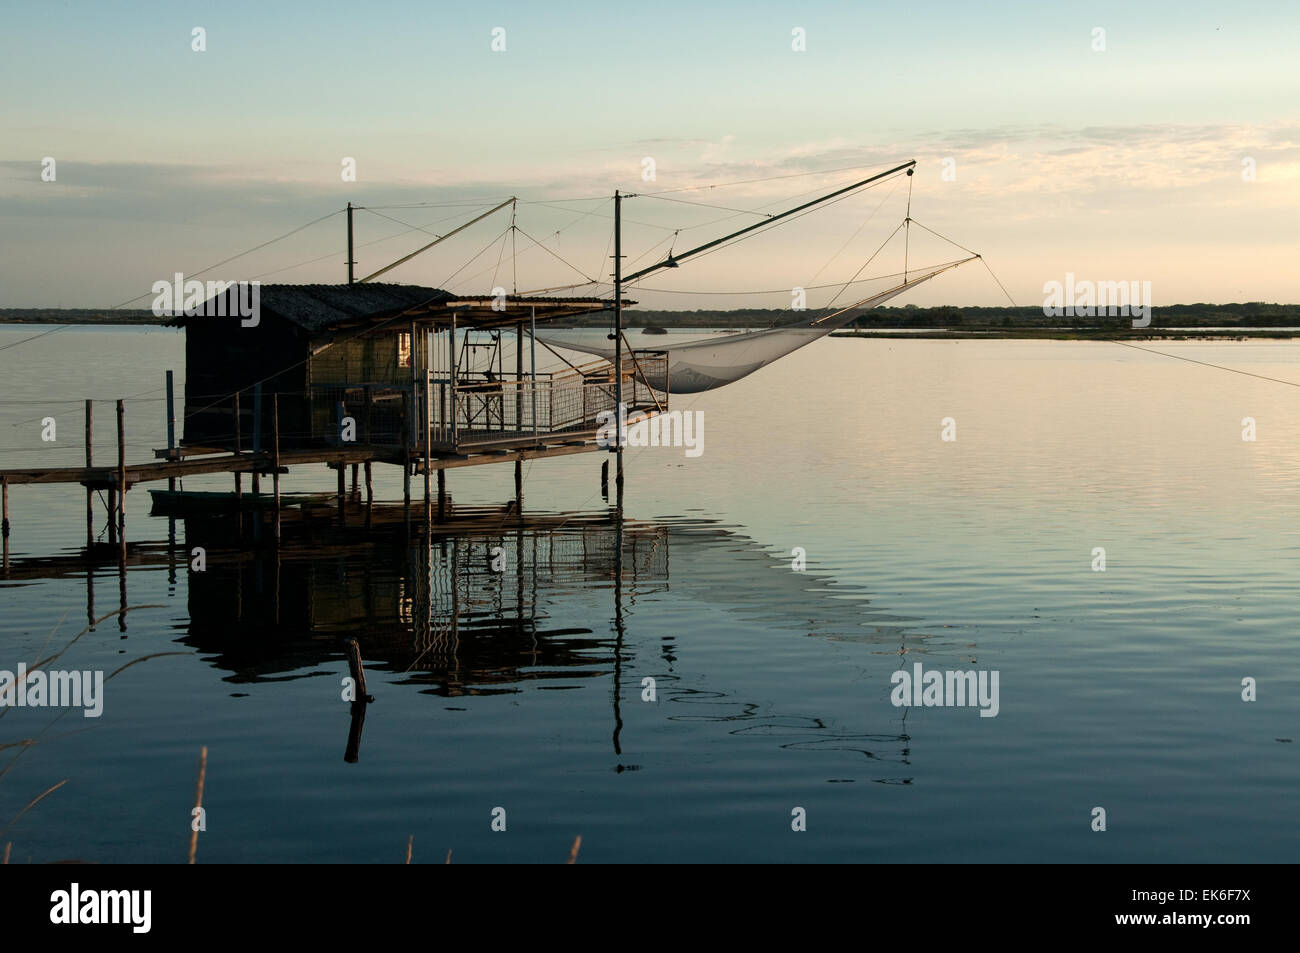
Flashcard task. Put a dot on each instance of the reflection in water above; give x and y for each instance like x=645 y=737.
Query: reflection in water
x=464 y=608
x=456 y=611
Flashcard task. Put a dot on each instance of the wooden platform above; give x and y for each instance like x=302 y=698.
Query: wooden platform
x=103 y=478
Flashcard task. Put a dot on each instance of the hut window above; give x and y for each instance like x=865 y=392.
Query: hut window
x=404 y=349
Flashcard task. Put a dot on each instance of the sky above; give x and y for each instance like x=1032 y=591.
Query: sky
x=1171 y=154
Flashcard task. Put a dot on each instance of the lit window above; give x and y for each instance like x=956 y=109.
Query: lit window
x=404 y=349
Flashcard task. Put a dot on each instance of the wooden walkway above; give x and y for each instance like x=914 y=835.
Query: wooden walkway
x=106 y=477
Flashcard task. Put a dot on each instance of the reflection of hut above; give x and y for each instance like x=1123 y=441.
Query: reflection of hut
x=435 y=606
x=320 y=351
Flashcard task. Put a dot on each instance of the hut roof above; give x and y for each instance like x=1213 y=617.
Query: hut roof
x=317 y=308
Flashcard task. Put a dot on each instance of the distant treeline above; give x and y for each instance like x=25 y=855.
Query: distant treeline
x=1250 y=314
x=77 y=316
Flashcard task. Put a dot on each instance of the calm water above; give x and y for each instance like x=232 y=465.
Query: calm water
x=523 y=689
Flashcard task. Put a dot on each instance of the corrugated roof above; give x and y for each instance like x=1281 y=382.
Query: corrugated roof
x=317 y=307
x=321 y=307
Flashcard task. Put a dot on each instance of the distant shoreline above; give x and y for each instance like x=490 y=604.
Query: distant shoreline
x=1238 y=321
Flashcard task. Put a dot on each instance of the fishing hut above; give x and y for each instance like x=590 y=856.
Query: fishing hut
x=388 y=367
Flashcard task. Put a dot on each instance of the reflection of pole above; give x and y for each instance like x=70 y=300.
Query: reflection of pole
x=618 y=627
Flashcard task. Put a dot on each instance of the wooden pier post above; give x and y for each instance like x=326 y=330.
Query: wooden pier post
x=343 y=483
x=618 y=479
x=112 y=514
x=369 y=438
x=428 y=408
x=408 y=428
x=90 y=494
x=275 y=449
x=604 y=479
x=358 y=672
x=171 y=426
x=519 y=486
x=4 y=520
x=257 y=434
x=370 y=490
x=355 y=488
x=275 y=469
x=442 y=494
x=121 y=474
x=238 y=426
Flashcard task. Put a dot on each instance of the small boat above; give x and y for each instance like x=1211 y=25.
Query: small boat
x=654 y=329
x=176 y=501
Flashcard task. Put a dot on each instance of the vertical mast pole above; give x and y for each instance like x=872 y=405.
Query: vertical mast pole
x=618 y=322
x=351 y=263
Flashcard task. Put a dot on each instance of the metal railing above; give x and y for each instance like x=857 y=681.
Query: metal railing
x=483 y=407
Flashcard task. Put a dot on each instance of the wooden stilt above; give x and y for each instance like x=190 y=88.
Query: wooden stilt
x=275 y=468
x=4 y=525
x=355 y=490
x=343 y=484
x=618 y=478
x=171 y=426
x=428 y=382
x=604 y=478
x=370 y=490
x=257 y=439
x=90 y=456
x=275 y=449
x=442 y=494
x=406 y=456
x=519 y=486
x=121 y=475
